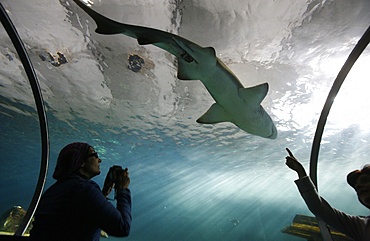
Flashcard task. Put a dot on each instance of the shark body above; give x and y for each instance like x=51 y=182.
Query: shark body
x=234 y=103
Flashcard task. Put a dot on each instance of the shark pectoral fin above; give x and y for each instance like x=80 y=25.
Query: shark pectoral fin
x=184 y=72
x=145 y=41
x=215 y=114
x=254 y=94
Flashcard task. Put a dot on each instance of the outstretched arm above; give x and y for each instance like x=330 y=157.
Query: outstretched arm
x=353 y=226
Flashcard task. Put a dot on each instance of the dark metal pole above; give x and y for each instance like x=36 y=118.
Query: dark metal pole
x=355 y=54
x=18 y=44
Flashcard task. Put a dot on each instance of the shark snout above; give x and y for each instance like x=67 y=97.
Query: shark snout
x=273 y=134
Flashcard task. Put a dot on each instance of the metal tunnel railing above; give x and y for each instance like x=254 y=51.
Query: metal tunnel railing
x=352 y=58
x=18 y=44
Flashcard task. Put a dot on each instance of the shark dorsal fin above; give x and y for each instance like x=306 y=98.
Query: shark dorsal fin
x=254 y=94
x=211 y=51
x=215 y=114
x=236 y=104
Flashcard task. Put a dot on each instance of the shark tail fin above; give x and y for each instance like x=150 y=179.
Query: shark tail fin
x=104 y=24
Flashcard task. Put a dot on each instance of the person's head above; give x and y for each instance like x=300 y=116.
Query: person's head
x=360 y=181
x=91 y=166
x=77 y=157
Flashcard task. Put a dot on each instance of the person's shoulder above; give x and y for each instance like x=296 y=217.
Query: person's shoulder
x=88 y=183
x=93 y=184
x=81 y=183
x=91 y=191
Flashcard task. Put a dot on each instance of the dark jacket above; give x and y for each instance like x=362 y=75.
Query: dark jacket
x=76 y=209
x=356 y=227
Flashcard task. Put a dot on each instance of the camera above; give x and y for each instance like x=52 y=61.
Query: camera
x=110 y=180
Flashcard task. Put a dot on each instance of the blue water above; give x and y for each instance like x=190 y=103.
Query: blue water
x=180 y=192
x=173 y=198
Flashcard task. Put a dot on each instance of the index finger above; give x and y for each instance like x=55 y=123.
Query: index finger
x=289 y=152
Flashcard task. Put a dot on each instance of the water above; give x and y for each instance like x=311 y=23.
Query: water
x=190 y=181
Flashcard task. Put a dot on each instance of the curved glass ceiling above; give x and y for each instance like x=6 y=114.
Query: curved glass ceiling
x=190 y=181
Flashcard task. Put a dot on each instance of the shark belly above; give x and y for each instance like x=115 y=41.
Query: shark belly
x=234 y=103
x=243 y=111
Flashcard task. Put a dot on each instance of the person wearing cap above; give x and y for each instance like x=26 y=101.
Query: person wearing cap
x=74 y=207
x=356 y=227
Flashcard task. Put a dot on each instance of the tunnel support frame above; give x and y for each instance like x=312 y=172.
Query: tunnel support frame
x=36 y=90
x=352 y=58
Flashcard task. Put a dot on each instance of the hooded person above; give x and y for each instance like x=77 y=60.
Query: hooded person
x=70 y=159
x=74 y=207
x=356 y=227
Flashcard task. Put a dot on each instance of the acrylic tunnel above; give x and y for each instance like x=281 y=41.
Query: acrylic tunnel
x=192 y=178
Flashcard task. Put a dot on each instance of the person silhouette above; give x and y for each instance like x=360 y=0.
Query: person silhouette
x=74 y=207
x=356 y=227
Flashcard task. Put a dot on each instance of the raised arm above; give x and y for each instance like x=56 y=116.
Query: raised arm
x=353 y=226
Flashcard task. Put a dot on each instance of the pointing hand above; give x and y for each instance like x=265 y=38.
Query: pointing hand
x=294 y=164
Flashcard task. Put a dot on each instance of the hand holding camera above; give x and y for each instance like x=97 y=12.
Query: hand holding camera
x=123 y=179
x=117 y=178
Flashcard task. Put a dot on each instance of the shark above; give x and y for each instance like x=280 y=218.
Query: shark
x=233 y=102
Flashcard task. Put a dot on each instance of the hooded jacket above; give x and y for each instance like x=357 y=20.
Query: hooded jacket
x=76 y=209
